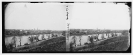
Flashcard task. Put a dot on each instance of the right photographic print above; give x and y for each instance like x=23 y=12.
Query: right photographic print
x=99 y=27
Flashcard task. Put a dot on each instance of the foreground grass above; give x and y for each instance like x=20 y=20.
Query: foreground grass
x=114 y=44
x=52 y=45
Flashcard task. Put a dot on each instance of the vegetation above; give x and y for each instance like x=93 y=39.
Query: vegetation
x=93 y=31
x=18 y=32
x=55 y=44
x=113 y=44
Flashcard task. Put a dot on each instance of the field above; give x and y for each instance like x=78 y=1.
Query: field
x=52 y=45
x=58 y=44
x=113 y=44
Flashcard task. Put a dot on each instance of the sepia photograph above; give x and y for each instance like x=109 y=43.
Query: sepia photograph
x=66 y=27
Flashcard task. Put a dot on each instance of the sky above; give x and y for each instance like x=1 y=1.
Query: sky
x=52 y=16
x=43 y=16
x=99 y=16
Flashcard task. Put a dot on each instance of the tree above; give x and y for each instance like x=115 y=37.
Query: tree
x=80 y=40
x=31 y=39
x=13 y=42
x=20 y=41
x=64 y=33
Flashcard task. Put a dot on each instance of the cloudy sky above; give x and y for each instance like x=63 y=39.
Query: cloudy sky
x=52 y=16
x=99 y=15
x=48 y=16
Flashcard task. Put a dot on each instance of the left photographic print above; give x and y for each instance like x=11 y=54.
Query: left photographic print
x=34 y=27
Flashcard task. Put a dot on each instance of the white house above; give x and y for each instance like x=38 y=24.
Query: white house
x=40 y=37
x=9 y=40
x=118 y=34
x=25 y=40
x=46 y=36
x=100 y=36
x=110 y=35
x=78 y=42
x=84 y=39
x=105 y=36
